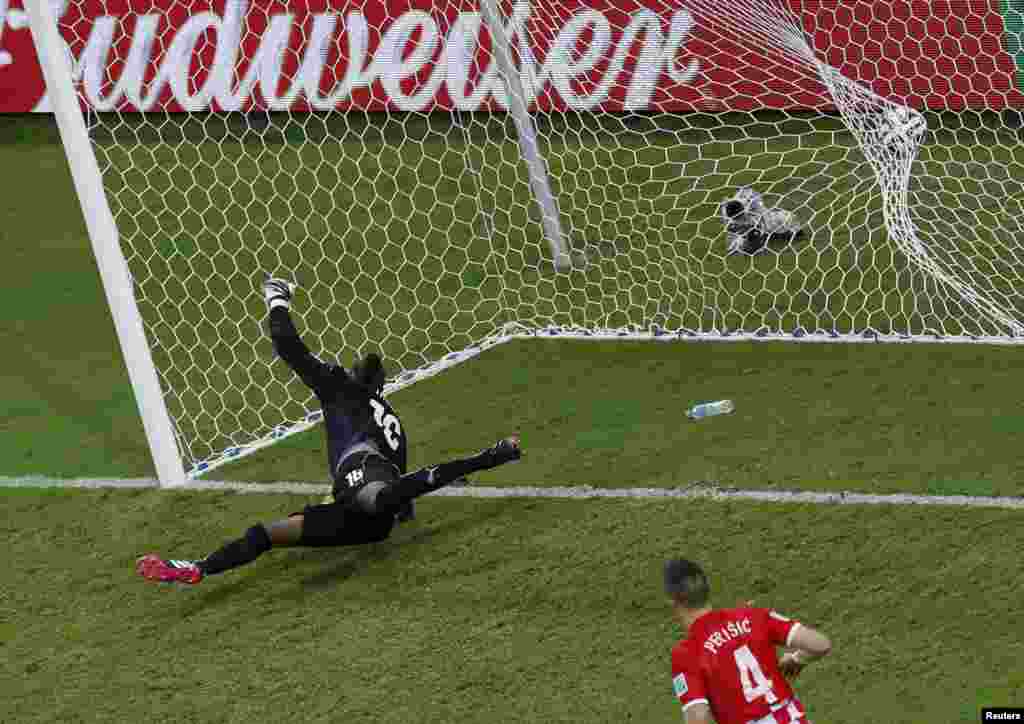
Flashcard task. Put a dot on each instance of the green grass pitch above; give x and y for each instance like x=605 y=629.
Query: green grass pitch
x=502 y=611
x=492 y=611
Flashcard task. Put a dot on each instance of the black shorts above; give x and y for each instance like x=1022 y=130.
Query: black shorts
x=343 y=523
x=359 y=470
x=338 y=524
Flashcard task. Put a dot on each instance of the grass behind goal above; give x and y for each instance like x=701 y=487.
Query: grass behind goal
x=417 y=236
x=873 y=418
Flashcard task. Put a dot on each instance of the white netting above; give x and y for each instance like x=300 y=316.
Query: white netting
x=374 y=162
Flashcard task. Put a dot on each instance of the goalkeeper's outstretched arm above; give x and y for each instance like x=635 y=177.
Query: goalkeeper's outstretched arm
x=287 y=343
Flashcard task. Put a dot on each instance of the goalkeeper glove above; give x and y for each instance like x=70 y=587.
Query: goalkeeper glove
x=278 y=293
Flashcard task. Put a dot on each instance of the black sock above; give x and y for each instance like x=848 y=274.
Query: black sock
x=428 y=480
x=451 y=471
x=246 y=549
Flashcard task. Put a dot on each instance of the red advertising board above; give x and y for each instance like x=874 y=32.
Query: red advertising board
x=421 y=55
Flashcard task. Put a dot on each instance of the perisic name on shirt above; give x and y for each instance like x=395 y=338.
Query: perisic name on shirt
x=725 y=634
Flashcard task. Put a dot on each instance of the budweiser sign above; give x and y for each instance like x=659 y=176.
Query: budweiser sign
x=420 y=55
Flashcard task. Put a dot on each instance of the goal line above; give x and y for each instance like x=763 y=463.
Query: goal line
x=693 y=492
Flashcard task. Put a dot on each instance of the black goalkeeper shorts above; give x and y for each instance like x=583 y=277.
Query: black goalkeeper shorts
x=338 y=524
x=359 y=470
x=343 y=523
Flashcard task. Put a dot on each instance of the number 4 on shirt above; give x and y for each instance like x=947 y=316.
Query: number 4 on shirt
x=755 y=683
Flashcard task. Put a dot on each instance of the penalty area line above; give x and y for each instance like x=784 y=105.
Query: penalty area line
x=586 y=492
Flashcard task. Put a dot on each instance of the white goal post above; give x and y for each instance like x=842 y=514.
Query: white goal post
x=443 y=176
x=117 y=281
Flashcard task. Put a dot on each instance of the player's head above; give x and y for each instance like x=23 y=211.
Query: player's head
x=369 y=372
x=687 y=585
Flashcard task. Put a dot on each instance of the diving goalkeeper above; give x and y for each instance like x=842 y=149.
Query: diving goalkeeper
x=366 y=452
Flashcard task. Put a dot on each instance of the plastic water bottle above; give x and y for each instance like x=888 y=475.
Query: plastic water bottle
x=710 y=409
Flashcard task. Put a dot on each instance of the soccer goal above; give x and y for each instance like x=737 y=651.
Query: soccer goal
x=442 y=177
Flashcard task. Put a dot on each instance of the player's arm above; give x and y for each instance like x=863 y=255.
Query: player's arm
x=805 y=643
x=690 y=689
x=699 y=713
x=809 y=644
x=287 y=343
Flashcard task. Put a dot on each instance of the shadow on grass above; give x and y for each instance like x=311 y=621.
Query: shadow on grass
x=345 y=562
x=360 y=558
x=363 y=556
x=218 y=595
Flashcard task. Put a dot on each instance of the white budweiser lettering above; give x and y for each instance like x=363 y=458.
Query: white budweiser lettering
x=17 y=20
x=585 y=61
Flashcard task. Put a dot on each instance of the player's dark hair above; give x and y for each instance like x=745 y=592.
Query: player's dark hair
x=688 y=581
x=369 y=372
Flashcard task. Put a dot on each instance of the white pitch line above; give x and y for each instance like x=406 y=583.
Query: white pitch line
x=578 y=492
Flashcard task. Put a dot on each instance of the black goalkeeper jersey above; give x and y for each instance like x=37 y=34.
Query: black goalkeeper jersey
x=353 y=414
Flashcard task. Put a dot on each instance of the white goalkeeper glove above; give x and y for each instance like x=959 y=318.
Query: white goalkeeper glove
x=278 y=293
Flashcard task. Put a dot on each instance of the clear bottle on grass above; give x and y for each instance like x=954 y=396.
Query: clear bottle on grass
x=710 y=409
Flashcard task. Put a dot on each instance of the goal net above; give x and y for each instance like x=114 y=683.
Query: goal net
x=440 y=177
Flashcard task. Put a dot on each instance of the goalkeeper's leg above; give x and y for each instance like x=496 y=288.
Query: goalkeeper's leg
x=331 y=524
x=316 y=526
x=256 y=541
x=396 y=498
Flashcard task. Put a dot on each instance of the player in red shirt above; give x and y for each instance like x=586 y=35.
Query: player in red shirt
x=726 y=667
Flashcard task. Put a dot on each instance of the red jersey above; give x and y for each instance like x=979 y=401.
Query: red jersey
x=728 y=661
